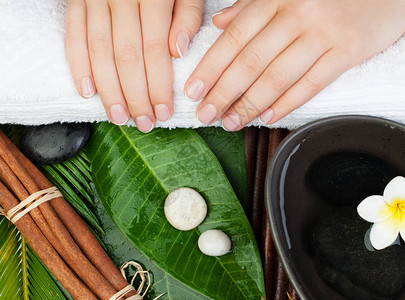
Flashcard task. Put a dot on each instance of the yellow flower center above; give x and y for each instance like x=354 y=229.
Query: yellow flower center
x=397 y=208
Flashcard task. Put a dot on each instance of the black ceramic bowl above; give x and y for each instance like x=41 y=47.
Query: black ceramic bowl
x=294 y=208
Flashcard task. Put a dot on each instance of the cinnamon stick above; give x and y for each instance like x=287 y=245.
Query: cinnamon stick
x=74 y=224
x=45 y=251
x=74 y=256
x=8 y=178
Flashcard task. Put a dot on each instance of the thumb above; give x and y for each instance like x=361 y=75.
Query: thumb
x=225 y=16
x=187 y=16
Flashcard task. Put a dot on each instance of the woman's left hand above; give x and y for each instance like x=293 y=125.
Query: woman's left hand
x=276 y=55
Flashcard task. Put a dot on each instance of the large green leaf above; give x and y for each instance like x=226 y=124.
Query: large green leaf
x=134 y=172
x=117 y=246
x=22 y=275
x=229 y=148
x=121 y=250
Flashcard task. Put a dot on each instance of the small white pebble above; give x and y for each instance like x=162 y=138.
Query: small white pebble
x=214 y=243
x=185 y=209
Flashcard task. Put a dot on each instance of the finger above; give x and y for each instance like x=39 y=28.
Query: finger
x=129 y=62
x=156 y=16
x=248 y=66
x=327 y=69
x=102 y=61
x=76 y=48
x=187 y=18
x=225 y=16
x=244 y=28
x=282 y=73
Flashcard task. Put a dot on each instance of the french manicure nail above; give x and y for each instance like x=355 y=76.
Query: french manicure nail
x=195 y=90
x=231 y=122
x=118 y=114
x=87 y=87
x=144 y=123
x=162 y=112
x=182 y=43
x=221 y=11
x=266 y=116
x=207 y=114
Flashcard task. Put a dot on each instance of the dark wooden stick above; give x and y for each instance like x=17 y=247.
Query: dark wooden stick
x=269 y=252
x=280 y=283
x=74 y=256
x=259 y=181
x=275 y=138
x=280 y=279
x=45 y=251
x=292 y=293
x=75 y=225
x=250 y=138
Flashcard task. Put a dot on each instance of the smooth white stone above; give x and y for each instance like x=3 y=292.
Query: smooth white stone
x=214 y=243
x=185 y=209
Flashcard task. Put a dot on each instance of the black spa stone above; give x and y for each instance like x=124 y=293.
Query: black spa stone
x=346 y=178
x=343 y=260
x=54 y=143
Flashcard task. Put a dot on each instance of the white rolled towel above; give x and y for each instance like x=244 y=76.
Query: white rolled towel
x=36 y=85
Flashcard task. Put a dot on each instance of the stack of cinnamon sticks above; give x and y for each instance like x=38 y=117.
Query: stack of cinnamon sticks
x=55 y=231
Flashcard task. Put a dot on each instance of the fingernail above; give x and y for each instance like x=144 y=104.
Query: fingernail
x=195 y=90
x=266 y=116
x=231 y=122
x=87 y=87
x=162 y=112
x=144 y=124
x=222 y=11
x=207 y=114
x=183 y=40
x=118 y=114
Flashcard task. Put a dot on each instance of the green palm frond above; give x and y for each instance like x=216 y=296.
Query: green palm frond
x=73 y=179
x=22 y=275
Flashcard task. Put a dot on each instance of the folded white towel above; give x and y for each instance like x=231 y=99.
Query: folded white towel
x=36 y=85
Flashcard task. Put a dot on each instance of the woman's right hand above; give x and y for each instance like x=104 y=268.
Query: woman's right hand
x=123 y=49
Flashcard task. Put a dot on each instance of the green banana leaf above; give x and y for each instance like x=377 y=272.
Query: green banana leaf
x=229 y=148
x=134 y=172
x=117 y=246
x=22 y=275
x=121 y=250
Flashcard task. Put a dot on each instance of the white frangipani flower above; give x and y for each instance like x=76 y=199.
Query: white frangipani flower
x=387 y=212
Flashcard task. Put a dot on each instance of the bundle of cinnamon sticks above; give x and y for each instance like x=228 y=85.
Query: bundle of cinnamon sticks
x=55 y=231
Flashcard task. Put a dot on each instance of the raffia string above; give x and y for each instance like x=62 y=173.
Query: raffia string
x=138 y=292
x=33 y=201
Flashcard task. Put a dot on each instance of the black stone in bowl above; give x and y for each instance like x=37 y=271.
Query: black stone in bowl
x=316 y=178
